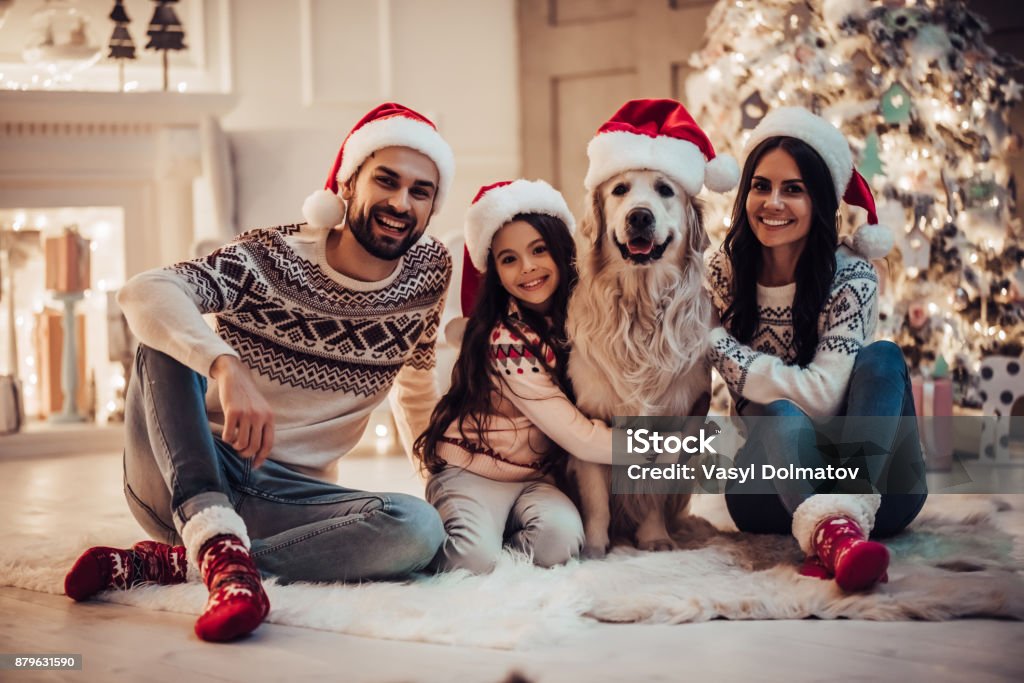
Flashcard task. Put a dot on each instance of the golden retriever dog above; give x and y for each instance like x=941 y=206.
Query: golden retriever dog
x=638 y=322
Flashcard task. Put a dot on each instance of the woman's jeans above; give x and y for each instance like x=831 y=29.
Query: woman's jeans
x=888 y=449
x=302 y=529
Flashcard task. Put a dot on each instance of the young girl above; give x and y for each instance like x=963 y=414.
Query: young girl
x=498 y=435
x=798 y=311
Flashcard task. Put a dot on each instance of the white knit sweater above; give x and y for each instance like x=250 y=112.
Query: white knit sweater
x=324 y=349
x=764 y=371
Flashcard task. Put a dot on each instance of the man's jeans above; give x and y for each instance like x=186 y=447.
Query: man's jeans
x=879 y=386
x=302 y=529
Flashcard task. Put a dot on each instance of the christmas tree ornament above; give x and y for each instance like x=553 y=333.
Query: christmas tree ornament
x=798 y=20
x=1012 y=91
x=871 y=163
x=861 y=65
x=895 y=104
x=753 y=110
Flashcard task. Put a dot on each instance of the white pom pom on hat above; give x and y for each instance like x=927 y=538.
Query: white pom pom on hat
x=388 y=125
x=870 y=240
x=323 y=209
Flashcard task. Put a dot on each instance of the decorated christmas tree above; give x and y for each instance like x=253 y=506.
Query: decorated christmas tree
x=924 y=103
x=122 y=47
x=165 y=31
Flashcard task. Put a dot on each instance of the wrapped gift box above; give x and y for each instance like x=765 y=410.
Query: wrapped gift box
x=67 y=262
x=49 y=355
x=933 y=399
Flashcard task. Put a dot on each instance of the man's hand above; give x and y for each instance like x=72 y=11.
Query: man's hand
x=248 y=418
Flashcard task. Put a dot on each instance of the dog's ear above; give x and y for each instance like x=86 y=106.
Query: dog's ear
x=699 y=240
x=592 y=226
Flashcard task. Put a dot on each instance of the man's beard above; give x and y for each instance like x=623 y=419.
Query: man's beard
x=383 y=247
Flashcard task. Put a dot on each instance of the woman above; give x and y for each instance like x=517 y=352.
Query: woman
x=798 y=311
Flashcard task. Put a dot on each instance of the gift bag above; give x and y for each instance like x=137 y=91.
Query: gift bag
x=933 y=398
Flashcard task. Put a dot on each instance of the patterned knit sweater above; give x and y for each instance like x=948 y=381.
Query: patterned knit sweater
x=528 y=412
x=765 y=370
x=324 y=349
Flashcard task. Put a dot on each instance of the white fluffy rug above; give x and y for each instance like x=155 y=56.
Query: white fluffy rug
x=955 y=562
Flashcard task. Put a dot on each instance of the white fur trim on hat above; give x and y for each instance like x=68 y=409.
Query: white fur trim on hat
x=871 y=241
x=827 y=141
x=500 y=205
x=323 y=209
x=860 y=507
x=399 y=131
x=618 y=151
x=210 y=522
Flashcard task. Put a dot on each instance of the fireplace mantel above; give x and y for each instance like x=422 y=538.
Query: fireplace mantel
x=157 y=108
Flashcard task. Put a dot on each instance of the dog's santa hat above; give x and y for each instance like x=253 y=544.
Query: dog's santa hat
x=871 y=239
x=658 y=135
x=388 y=125
x=494 y=206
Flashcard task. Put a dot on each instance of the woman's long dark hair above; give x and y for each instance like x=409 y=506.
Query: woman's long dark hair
x=814 y=269
x=468 y=401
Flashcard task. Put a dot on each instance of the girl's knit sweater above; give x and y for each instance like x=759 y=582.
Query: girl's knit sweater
x=528 y=412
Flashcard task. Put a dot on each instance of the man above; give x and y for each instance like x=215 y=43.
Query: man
x=235 y=434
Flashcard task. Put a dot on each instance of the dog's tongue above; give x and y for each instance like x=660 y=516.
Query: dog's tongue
x=640 y=246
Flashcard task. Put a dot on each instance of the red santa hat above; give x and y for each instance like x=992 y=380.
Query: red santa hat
x=871 y=239
x=389 y=125
x=658 y=135
x=498 y=203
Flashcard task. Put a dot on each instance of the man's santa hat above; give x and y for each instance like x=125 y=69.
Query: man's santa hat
x=493 y=207
x=870 y=240
x=389 y=125
x=658 y=135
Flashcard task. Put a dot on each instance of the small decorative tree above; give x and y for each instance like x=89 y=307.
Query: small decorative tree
x=165 y=31
x=122 y=47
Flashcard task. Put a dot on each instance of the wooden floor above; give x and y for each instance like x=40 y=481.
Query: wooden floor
x=60 y=496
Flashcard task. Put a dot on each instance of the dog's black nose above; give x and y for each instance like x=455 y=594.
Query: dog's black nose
x=640 y=219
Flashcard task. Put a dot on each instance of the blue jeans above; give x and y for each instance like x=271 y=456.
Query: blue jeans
x=888 y=449
x=302 y=529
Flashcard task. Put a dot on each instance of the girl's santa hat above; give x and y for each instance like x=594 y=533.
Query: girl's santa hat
x=658 y=135
x=494 y=206
x=389 y=125
x=870 y=240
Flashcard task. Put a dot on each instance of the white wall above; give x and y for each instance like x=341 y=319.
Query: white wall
x=453 y=60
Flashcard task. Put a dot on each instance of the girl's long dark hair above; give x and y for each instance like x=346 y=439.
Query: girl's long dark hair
x=814 y=269
x=468 y=401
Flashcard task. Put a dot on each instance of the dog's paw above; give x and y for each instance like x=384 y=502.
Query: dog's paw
x=657 y=545
x=594 y=552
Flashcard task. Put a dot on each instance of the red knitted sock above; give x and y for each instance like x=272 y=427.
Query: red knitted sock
x=856 y=562
x=237 y=602
x=102 y=568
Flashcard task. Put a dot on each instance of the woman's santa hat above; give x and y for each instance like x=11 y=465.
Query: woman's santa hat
x=389 y=125
x=870 y=240
x=493 y=207
x=658 y=135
